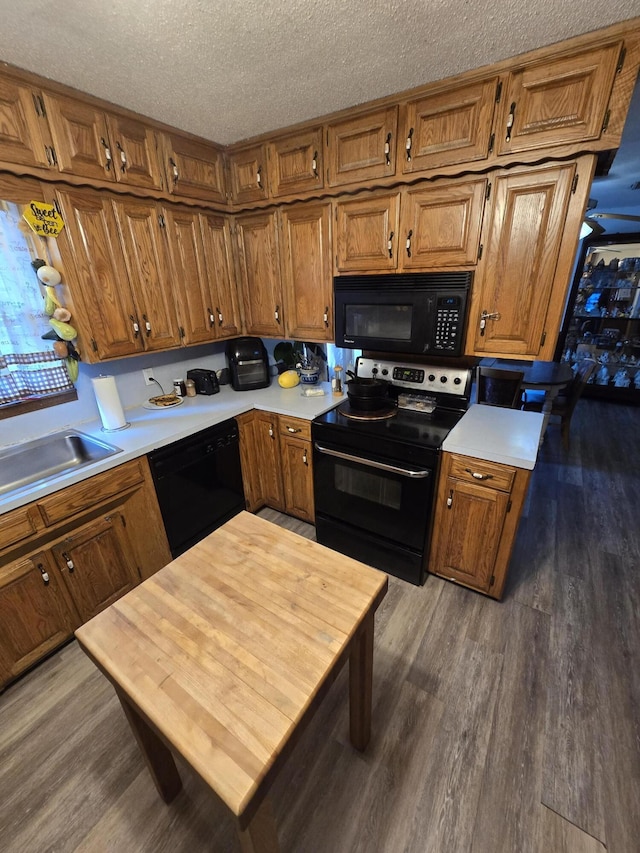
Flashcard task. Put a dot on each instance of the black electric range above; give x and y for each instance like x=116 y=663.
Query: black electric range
x=375 y=473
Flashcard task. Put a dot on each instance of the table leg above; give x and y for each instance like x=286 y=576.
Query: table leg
x=157 y=756
x=360 y=680
x=550 y=395
x=260 y=836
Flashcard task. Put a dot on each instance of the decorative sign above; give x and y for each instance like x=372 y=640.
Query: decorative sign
x=43 y=218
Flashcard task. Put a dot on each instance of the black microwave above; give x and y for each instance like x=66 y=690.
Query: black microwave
x=418 y=313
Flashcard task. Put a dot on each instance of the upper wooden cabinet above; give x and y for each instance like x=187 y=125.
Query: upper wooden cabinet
x=447 y=127
x=248 y=176
x=202 y=272
x=24 y=133
x=193 y=168
x=93 y=144
x=435 y=225
x=367 y=233
x=295 y=163
x=307 y=271
x=530 y=237
x=259 y=270
x=362 y=148
x=554 y=102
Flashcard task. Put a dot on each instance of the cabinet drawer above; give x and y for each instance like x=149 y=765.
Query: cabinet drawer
x=75 y=499
x=482 y=473
x=296 y=427
x=18 y=525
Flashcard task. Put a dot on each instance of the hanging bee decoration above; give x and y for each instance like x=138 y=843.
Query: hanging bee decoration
x=62 y=333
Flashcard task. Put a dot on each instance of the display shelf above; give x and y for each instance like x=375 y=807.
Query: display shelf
x=602 y=320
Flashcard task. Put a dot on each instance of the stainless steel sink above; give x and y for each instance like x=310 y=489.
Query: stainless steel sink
x=49 y=457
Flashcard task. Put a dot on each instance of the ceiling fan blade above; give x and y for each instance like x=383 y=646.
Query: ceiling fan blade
x=628 y=217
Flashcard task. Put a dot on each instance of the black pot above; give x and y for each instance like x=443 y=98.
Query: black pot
x=368 y=404
x=366 y=389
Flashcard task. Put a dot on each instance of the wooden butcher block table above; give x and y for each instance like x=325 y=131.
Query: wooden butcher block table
x=224 y=655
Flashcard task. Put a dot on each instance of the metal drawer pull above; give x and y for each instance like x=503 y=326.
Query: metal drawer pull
x=477 y=476
x=387 y=150
x=220 y=317
x=383 y=466
x=44 y=573
x=212 y=319
x=107 y=153
x=293 y=429
x=68 y=561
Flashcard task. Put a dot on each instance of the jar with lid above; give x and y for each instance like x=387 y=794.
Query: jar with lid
x=190 y=385
x=179 y=388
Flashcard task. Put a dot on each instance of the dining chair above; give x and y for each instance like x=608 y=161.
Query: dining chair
x=498 y=387
x=564 y=404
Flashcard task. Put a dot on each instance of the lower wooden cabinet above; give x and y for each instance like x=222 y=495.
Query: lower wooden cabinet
x=478 y=508
x=275 y=451
x=83 y=548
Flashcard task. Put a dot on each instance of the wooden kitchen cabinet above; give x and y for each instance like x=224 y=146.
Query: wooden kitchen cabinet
x=478 y=508
x=91 y=143
x=530 y=237
x=24 y=132
x=367 y=233
x=259 y=270
x=307 y=271
x=447 y=127
x=108 y=527
x=557 y=101
x=434 y=225
x=202 y=273
x=193 y=168
x=260 y=460
x=297 y=467
x=248 y=174
x=363 y=147
x=96 y=564
x=36 y=613
x=295 y=163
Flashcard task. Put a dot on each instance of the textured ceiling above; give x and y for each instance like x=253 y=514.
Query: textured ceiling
x=230 y=70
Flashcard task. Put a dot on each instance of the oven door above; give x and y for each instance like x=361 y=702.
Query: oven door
x=376 y=496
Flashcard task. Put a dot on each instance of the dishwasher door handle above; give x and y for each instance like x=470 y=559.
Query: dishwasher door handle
x=383 y=466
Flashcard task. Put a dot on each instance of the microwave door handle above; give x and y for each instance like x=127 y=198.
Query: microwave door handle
x=383 y=466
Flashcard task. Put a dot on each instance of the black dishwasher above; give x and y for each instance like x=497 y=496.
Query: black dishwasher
x=198 y=482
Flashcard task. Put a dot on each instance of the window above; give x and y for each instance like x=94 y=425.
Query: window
x=32 y=375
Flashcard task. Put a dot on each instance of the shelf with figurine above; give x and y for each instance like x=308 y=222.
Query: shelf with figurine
x=602 y=320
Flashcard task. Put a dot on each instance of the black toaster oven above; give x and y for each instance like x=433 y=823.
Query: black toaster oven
x=206 y=381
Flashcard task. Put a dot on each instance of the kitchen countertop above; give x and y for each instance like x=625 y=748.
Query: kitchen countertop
x=150 y=430
x=497 y=434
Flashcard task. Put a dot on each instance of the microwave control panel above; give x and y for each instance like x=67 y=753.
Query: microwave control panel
x=448 y=322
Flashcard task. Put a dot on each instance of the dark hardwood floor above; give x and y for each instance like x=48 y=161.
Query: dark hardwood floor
x=508 y=727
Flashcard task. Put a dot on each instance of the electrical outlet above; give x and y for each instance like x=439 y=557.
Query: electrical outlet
x=148 y=376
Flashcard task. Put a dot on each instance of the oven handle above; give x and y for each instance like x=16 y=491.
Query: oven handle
x=383 y=466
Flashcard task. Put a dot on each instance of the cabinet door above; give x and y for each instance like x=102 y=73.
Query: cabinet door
x=556 y=102
x=362 y=148
x=260 y=274
x=297 y=477
x=220 y=271
x=295 y=163
x=307 y=272
x=134 y=150
x=268 y=459
x=452 y=126
x=440 y=225
x=147 y=262
x=519 y=295
x=193 y=299
x=91 y=232
x=467 y=529
x=36 y=615
x=96 y=565
x=80 y=138
x=367 y=234
x=193 y=168
x=23 y=127
x=248 y=174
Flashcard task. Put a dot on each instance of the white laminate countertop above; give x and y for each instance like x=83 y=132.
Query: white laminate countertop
x=496 y=434
x=152 y=429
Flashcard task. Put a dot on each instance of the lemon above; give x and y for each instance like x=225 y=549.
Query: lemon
x=288 y=379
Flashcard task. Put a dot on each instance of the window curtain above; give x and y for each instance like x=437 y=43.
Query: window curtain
x=28 y=366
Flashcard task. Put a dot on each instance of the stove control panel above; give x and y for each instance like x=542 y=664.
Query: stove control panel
x=417 y=377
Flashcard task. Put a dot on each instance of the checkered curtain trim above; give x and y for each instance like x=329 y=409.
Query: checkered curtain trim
x=20 y=383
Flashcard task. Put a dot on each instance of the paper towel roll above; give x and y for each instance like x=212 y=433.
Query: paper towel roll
x=108 y=401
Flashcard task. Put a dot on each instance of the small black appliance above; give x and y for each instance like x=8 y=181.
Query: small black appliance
x=206 y=381
x=248 y=364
